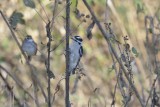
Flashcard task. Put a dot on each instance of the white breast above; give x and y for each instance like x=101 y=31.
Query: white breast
x=74 y=55
x=29 y=47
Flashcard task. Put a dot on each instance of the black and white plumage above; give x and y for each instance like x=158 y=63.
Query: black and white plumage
x=76 y=52
x=29 y=47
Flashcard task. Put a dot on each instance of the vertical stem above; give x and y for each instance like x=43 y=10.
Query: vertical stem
x=48 y=62
x=67 y=102
x=49 y=98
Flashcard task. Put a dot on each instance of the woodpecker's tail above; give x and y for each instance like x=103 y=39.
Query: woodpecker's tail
x=29 y=58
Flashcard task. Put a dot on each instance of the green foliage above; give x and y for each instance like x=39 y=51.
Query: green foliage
x=74 y=3
x=139 y=6
x=16 y=18
x=111 y=69
x=150 y=30
x=135 y=52
x=29 y=3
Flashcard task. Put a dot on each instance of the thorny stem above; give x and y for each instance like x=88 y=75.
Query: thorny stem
x=67 y=102
x=106 y=36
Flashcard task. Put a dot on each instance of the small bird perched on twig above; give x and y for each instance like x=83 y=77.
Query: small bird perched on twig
x=29 y=47
x=76 y=52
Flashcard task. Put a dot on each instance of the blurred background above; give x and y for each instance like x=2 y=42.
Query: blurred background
x=96 y=87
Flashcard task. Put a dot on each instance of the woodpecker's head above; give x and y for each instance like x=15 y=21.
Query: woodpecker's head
x=77 y=39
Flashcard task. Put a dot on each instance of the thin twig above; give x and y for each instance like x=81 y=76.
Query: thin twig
x=154 y=82
x=35 y=89
x=67 y=101
x=54 y=12
x=58 y=44
x=38 y=12
x=17 y=82
x=34 y=72
x=56 y=90
x=114 y=94
x=10 y=89
x=106 y=36
x=43 y=9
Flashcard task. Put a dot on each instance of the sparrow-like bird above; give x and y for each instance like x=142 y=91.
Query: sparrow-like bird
x=29 y=47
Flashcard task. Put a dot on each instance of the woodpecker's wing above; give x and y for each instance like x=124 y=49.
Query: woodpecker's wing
x=80 y=53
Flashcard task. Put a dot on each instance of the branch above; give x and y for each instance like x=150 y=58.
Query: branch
x=13 y=35
x=67 y=102
x=48 y=63
x=106 y=36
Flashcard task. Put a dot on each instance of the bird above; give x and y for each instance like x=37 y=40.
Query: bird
x=76 y=52
x=29 y=47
